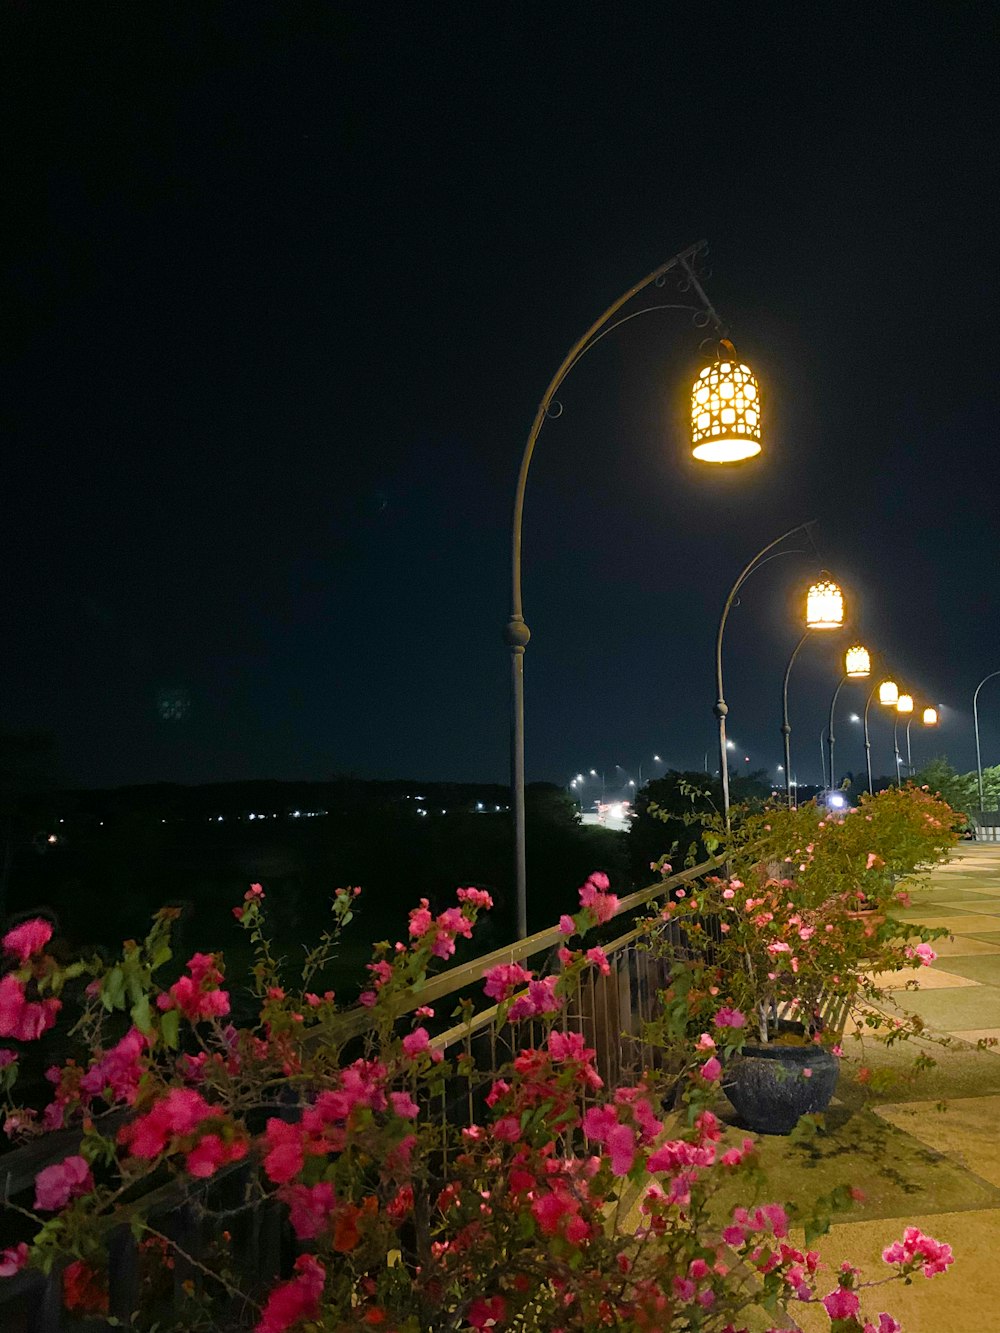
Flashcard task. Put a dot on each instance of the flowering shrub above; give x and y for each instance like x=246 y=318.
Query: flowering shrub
x=562 y=1204
x=803 y=924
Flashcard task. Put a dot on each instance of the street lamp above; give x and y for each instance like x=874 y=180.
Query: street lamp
x=888 y=695
x=721 y=709
x=975 y=719
x=725 y=392
x=904 y=706
x=929 y=718
x=857 y=666
x=824 y=603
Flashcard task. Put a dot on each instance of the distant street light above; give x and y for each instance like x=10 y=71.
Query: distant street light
x=888 y=695
x=857 y=666
x=725 y=428
x=975 y=719
x=824 y=604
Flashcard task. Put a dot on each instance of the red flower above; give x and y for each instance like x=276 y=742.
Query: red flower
x=85 y=1290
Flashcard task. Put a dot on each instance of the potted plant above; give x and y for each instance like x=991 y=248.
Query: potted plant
x=790 y=945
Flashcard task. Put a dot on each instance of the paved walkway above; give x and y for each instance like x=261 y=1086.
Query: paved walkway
x=929 y=1153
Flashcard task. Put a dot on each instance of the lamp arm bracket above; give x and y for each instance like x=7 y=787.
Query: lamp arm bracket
x=755 y=563
x=683 y=259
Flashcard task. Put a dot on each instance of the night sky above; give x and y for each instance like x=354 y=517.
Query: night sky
x=287 y=281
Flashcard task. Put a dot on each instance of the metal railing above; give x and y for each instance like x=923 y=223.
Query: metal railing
x=608 y=1010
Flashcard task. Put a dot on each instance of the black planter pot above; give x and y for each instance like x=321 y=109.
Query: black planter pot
x=770 y=1091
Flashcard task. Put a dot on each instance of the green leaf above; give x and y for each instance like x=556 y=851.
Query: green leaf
x=141 y=1015
x=113 y=990
x=170 y=1028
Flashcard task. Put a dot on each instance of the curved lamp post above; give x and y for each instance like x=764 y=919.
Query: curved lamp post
x=824 y=611
x=975 y=719
x=721 y=709
x=904 y=706
x=725 y=420
x=857 y=666
x=888 y=695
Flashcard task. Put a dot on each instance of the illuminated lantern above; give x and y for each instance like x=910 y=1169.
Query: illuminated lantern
x=930 y=717
x=824 y=606
x=725 y=410
x=888 y=693
x=904 y=704
x=857 y=663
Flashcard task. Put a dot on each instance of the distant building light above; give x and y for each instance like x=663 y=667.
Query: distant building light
x=251 y=816
x=479 y=805
x=52 y=837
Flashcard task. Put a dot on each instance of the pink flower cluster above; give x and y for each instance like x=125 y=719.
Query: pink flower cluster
x=440 y=931
x=595 y=898
x=503 y=980
x=197 y=996
x=293 y=1301
x=179 y=1115
x=923 y=952
x=27 y=939
x=253 y=896
x=21 y=1018
x=539 y=1000
x=115 y=1076
x=56 y=1185
x=916 y=1250
x=323 y=1127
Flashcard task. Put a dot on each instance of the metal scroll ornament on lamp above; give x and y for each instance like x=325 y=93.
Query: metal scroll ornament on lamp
x=725 y=410
x=930 y=717
x=857 y=662
x=904 y=704
x=824 y=606
x=888 y=693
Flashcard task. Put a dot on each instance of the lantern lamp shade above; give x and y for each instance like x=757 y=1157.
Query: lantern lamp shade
x=904 y=704
x=725 y=410
x=857 y=662
x=930 y=717
x=824 y=606
x=888 y=693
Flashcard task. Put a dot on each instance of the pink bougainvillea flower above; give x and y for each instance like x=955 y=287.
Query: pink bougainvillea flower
x=404 y=1105
x=285 y=1157
x=599 y=959
x=540 y=999
x=56 y=1185
x=711 y=1070
x=211 y=1152
x=915 y=1248
x=309 y=1208
x=842 y=1303
x=21 y=1018
x=293 y=1301
x=595 y=897
x=27 y=939
x=704 y=1043
x=504 y=979
x=178 y=1113
x=115 y=1076
x=567 y=926
x=13 y=1259
x=729 y=1018
x=416 y=1042
x=477 y=898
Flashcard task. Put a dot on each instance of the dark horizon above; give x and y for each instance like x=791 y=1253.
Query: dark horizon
x=287 y=283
